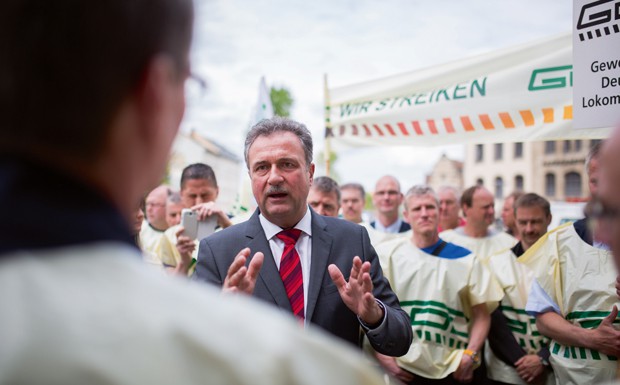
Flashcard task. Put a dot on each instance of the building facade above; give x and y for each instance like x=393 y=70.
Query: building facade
x=446 y=172
x=552 y=169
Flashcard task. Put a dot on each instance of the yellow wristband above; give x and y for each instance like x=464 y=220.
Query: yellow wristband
x=475 y=357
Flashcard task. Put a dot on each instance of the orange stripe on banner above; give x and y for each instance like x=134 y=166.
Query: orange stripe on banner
x=390 y=129
x=528 y=117
x=486 y=122
x=449 y=127
x=355 y=130
x=342 y=130
x=416 y=127
x=403 y=128
x=568 y=112
x=378 y=130
x=368 y=133
x=547 y=115
x=467 y=123
x=431 y=126
x=506 y=120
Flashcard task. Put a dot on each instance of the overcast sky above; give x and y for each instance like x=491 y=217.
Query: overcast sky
x=293 y=43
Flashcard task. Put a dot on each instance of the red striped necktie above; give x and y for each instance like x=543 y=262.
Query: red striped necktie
x=290 y=271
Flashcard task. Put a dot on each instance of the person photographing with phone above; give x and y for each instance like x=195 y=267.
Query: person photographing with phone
x=199 y=190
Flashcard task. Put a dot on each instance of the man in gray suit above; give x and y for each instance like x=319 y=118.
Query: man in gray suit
x=295 y=247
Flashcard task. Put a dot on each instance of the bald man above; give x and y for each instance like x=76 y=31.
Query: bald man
x=155 y=223
x=387 y=199
x=477 y=235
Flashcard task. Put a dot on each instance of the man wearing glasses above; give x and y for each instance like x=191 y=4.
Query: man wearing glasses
x=155 y=223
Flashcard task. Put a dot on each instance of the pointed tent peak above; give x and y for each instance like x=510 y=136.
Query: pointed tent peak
x=212 y=146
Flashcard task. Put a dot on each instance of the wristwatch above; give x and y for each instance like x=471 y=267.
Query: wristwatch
x=475 y=357
x=543 y=361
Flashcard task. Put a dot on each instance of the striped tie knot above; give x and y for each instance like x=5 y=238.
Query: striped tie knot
x=289 y=237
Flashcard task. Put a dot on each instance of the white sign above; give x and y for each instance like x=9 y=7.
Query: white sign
x=596 y=63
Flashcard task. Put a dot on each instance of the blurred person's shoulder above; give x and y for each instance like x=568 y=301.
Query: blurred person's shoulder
x=96 y=314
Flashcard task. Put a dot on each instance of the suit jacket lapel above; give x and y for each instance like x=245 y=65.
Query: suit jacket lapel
x=269 y=274
x=321 y=247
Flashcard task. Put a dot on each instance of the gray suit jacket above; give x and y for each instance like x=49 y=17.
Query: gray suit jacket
x=333 y=241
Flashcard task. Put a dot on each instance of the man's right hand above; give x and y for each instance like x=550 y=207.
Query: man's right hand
x=606 y=338
x=242 y=279
x=391 y=367
x=204 y=210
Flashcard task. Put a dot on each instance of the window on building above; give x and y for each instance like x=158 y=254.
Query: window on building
x=519 y=183
x=566 y=146
x=499 y=151
x=479 y=152
x=519 y=150
x=479 y=182
x=594 y=142
x=572 y=185
x=550 y=147
x=550 y=185
x=577 y=145
x=499 y=187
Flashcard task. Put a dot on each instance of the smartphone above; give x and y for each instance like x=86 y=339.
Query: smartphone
x=189 y=221
x=194 y=228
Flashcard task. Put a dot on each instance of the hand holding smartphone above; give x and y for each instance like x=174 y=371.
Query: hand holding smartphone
x=194 y=228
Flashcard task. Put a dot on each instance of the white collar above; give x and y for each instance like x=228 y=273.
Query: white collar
x=394 y=228
x=270 y=229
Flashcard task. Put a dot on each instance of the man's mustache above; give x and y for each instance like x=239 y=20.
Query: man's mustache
x=276 y=190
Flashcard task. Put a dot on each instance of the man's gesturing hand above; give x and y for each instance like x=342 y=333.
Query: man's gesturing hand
x=357 y=293
x=241 y=279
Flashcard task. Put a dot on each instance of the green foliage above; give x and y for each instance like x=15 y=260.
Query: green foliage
x=368 y=205
x=282 y=101
x=333 y=157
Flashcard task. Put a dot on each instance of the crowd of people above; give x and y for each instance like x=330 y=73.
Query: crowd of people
x=103 y=291
x=484 y=306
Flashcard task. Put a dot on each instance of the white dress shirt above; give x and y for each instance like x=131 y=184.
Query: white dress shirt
x=303 y=246
x=394 y=228
x=304 y=249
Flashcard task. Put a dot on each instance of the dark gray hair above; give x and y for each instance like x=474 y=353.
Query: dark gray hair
x=198 y=171
x=268 y=127
x=89 y=55
x=326 y=185
x=533 y=200
x=421 y=190
x=354 y=186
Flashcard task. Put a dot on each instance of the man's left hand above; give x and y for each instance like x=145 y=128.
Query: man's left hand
x=357 y=293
